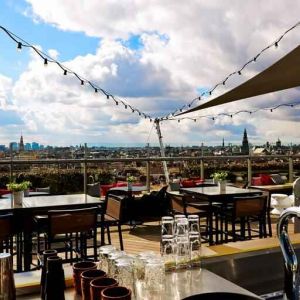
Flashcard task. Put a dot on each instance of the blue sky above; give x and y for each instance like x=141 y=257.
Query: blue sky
x=154 y=57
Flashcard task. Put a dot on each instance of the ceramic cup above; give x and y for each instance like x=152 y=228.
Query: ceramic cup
x=78 y=268
x=116 y=293
x=86 y=278
x=99 y=284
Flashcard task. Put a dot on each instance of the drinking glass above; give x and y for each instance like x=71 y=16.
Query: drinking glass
x=167 y=226
x=168 y=252
x=182 y=252
x=103 y=256
x=124 y=274
x=111 y=258
x=195 y=248
x=176 y=218
x=182 y=227
x=139 y=264
x=154 y=274
x=194 y=223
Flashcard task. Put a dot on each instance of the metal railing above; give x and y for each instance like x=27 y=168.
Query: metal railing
x=200 y=161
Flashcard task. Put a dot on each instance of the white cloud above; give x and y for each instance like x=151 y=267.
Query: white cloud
x=186 y=45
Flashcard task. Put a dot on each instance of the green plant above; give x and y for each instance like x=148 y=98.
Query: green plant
x=130 y=179
x=220 y=176
x=17 y=187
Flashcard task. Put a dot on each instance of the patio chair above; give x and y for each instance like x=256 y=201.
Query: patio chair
x=71 y=228
x=244 y=211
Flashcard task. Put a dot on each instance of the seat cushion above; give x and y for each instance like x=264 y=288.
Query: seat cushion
x=188 y=183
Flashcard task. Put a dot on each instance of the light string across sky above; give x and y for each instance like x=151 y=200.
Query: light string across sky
x=232 y=114
x=223 y=82
x=47 y=59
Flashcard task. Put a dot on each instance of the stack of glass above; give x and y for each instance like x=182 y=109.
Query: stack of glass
x=180 y=242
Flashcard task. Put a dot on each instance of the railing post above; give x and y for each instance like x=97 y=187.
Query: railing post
x=249 y=171
x=291 y=175
x=201 y=169
x=148 y=175
x=85 y=170
x=11 y=166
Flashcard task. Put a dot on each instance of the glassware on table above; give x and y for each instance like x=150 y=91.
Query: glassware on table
x=154 y=274
x=182 y=252
x=193 y=221
x=111 y=258
x=168 y=252
x=116 y=293
x=195 y=249
x=167 y=226
x=124 y=274
x=139 y=264
x=78 y=268
x=86 y=278
x=103 y=256
x=176 y=218
x=182 y=227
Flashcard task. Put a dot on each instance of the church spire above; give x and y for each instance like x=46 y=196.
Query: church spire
x=245 y=144
x=21 y=145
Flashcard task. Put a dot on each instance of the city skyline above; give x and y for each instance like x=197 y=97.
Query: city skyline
x=167 y=54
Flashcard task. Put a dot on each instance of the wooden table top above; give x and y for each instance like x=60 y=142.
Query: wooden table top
x=275 y=187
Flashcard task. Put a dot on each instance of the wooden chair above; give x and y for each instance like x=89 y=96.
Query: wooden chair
x=72 y=227
x=243 y=212
x=113 y=215
x=7 y=236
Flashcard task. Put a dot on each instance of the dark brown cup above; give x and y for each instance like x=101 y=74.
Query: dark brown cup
x=86 y=278
x=99 y=284
x=78 y=268
x=116 y=293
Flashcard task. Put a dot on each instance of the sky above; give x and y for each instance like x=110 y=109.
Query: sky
x=153 y=55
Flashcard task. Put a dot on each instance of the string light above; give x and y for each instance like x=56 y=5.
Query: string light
x=254 y=59
x=231 y=115
x=47 y=59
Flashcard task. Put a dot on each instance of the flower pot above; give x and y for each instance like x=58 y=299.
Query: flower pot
x=18 y=197
x=129 y=186
x=222 y=186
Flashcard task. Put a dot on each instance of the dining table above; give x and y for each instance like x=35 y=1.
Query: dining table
x=38 y=205
x=212 y=194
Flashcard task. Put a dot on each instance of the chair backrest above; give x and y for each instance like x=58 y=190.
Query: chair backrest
x=72 y=220
x=6 y=226
x=250 y=206
x=114 y=206
x=177 y=203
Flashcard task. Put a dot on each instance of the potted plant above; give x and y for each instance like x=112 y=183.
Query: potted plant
x=18 y=190
x=220 y=177
x=130 y=180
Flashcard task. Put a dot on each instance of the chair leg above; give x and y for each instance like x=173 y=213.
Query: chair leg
x=120 y=237
x=95 y=244
x=108 y=234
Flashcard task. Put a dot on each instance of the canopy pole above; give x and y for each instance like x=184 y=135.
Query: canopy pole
x=162 y=150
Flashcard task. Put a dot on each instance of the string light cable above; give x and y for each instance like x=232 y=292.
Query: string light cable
x=48 y=59
x=223 y=82
x=232 y=114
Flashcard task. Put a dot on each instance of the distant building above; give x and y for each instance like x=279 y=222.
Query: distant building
x=35 y=146
x=13 y=146
x=2 y=148
x=21 y=145
x=245 y=144
x=27 y=146
x=278 y=143
x=260 y=151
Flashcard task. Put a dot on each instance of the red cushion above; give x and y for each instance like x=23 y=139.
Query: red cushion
x=104 y=188
x=256 y=181
x=188 y=183
x=266 y=179
x=120 y=184
x=4 y=192
x=198 y=181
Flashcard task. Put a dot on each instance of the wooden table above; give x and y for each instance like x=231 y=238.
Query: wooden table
x=212 y=194
x=31 y=206
x=275 y=189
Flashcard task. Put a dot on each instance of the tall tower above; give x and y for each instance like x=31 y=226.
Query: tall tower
x=245 y=144
x=21 y=145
